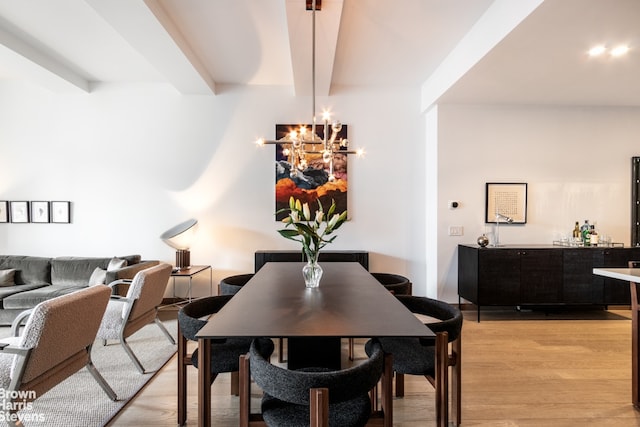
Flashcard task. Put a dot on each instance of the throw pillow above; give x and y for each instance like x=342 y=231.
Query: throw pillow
x=116 y=263
x=7 y=277
x=98 y=277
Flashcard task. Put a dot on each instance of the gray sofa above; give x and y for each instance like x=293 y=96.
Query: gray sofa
x=37 y=279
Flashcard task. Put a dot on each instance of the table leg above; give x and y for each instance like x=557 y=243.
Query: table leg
x=635 y=340
x=204 y=382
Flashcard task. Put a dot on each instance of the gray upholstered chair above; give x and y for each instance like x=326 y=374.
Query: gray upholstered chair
x=225 y=354
x=312 y=396
x=395 y=283
x=55 y=343
x=127 y=315
x=416 y=356
x=232 y=284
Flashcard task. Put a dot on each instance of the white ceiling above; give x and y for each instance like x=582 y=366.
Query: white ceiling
x=203 y=46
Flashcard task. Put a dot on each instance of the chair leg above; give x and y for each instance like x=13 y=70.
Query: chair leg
x=319 y=407
x=442 y=380
x=235 y=383
x=399 y=385
x=100 y=380
x=281 y=350
x=184 y=359
x=163 y=329
x=131 y=355
x=387 y=390
x=245 y=390
x=456 y=382
x=351 y=348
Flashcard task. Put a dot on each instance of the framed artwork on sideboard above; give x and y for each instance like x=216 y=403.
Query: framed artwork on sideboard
x=61 y=212
x=19 y=211
x=4 y=211
x=39 y=212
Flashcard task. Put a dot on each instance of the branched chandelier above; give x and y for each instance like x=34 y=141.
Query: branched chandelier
x=298 y=144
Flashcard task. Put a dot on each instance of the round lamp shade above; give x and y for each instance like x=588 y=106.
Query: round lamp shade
x=181 y=236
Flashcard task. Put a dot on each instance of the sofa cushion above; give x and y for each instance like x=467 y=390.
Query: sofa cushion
x=6 y=291
x=75 y=271
x=132 y=259
x=98 y=277
x=6 y=277
x=116 y=263
x=29 y=299
x=29 y=269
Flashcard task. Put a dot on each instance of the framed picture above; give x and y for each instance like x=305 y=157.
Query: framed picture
x=506 y=202
x=4 y=211
x=39 y=211
x=19 y=211
x=60 y=212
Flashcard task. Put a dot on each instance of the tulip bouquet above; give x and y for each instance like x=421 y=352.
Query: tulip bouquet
x=312 y=232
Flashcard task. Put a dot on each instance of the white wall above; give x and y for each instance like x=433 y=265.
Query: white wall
x=576 y=161
x=136 y=160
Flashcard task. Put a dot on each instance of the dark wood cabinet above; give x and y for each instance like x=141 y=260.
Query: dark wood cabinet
x=541 y=275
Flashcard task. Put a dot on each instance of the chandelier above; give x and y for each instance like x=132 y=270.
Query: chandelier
x=300 y=143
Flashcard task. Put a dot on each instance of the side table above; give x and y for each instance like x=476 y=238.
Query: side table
x=189 y=273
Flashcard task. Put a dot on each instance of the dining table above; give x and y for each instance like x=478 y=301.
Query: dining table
x=631 y=275
x=349 y=303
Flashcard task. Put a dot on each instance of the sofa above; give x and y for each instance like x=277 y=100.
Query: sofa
x=26 y=281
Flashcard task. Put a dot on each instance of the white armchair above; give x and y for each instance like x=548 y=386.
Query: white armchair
x=126 y=315
x=55 y=343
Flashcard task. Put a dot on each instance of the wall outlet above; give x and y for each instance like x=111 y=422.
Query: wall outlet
x=456 y=230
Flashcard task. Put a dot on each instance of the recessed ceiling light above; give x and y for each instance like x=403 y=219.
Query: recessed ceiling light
x=597 y=50
x=619 y=50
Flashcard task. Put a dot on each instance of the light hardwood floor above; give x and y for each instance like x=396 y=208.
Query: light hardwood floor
x=518 y=369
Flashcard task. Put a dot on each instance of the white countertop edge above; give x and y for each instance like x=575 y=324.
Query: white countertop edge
x=628 y=274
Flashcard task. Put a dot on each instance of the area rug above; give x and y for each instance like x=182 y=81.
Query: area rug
x=80 y=402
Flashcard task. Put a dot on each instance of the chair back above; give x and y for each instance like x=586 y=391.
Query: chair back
x=189 y=316
x=147 y=288
x=232 y=284
x=395 y=283
x=293 y=386
x=62 y=327
x=450 y=317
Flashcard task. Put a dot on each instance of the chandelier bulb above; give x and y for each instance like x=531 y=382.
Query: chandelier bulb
x=344 y=142
x=336 y=126
x=296 y=143
x=327 y=156
x=332 y=177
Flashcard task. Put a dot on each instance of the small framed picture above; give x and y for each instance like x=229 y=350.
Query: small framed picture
x=4 y=211
x=60 y=212
x=39 y=211
x=506 y=202
x=19 y=211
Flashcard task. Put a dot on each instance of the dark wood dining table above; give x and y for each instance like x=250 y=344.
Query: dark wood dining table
x=349 y=303
x=632 y=275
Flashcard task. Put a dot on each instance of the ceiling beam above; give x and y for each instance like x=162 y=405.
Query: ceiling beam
x=148 y=29
x=493 y=26
x=31 y=63
x=300 y=39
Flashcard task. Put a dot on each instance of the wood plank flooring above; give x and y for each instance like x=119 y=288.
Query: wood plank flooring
x=520 y=368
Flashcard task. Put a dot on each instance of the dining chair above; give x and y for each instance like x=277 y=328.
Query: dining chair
x=394 y=283
x=55 y=344
x=315 y=396
x=424 y=357
x=127 y=315
x=225 y=353
x=232 y=284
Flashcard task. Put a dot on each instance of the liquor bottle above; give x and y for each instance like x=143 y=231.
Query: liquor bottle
x=586 y=236
x=594 y=236
x=576 y=231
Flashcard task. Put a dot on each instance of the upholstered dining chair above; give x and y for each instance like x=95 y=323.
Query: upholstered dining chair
x=394 y=283
x=225 y=353
x=55 y=343
x=232 y=284
x=127 y=315
x=314 y=396
x=418 y=356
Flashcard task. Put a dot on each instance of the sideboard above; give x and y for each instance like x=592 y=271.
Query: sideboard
x=262 y=257
x=541 y=275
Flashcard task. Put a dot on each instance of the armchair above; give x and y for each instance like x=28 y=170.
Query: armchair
x=125 y=316
x=54 y=345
